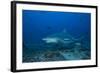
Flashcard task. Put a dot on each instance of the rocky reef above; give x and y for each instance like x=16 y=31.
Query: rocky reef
x=56 y=52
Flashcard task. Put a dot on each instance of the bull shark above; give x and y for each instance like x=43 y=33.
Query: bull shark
x=62 y=37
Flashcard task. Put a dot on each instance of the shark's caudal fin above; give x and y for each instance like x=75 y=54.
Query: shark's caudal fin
x=79 y=39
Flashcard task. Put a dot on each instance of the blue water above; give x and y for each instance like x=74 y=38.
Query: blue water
x=39 y=24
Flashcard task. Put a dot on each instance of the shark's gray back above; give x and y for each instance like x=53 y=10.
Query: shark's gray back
x=62 y=35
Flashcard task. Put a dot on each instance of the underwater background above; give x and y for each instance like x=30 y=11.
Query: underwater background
x=55 y=36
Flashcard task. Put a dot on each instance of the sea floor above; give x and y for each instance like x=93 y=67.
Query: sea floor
x=55 y=55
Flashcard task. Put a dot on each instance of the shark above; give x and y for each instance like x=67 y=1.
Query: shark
x=61 y=37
